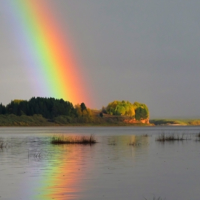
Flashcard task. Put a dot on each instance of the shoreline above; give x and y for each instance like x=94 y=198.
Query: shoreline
x=87 y=125
x=95 y=121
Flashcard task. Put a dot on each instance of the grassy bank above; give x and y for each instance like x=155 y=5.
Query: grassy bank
x=39 y=120
x=186 y=122
x=24 y=120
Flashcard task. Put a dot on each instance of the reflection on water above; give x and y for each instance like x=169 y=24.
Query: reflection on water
x=126 y=163
x=66 y=173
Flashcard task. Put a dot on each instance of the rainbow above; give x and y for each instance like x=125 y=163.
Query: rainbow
x=47 y=51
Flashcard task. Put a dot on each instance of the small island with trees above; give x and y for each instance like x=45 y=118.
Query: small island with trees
x=40 y=111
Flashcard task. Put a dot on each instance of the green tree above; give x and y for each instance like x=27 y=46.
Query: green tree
x=83 y=107
x=141 y=112
x=127 y=108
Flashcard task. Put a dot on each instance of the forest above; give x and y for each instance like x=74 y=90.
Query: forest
x=51 y=111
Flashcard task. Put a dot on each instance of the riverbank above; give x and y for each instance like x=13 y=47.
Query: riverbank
x=39 y=120
x=175 y=122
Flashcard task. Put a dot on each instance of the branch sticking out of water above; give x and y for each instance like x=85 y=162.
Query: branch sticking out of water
x=3 y=144
x=112 y=143
x=172 y=137
x=198 y=135
x=133 y=144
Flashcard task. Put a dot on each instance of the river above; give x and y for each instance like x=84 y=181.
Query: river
x=31 y=168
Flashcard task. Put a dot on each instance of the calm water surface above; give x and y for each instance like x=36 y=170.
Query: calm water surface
x=32 y=168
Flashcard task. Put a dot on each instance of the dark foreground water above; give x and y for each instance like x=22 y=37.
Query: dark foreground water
x=32 y=168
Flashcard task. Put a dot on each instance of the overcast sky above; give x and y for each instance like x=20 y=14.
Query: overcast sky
x=136 y=50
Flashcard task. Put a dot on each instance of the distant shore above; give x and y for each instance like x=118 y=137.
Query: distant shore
x=40 y=121
x=175 y=122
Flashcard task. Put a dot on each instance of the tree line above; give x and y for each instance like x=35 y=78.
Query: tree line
x=47 y=107
x=58 y=110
